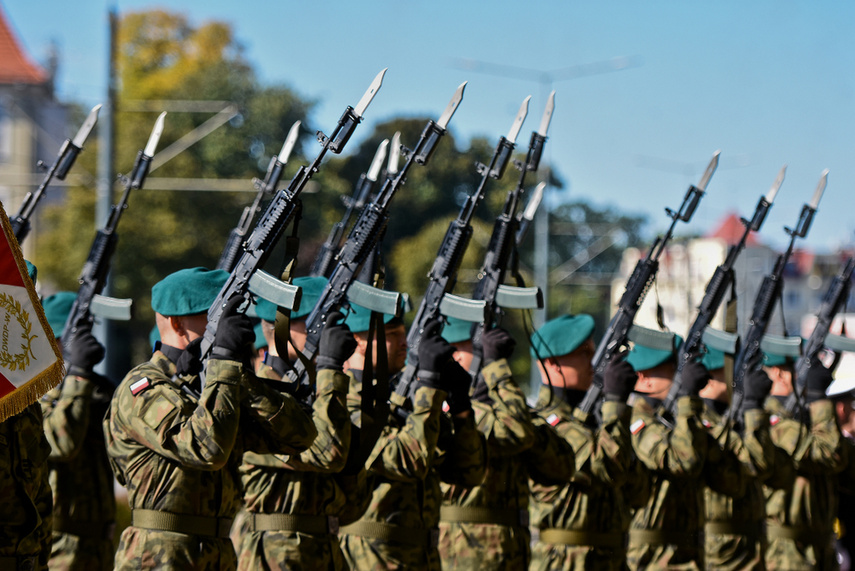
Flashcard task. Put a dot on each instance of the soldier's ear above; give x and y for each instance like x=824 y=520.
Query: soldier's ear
x=177 y=325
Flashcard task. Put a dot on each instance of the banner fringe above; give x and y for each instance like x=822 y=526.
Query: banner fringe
x=25 y=395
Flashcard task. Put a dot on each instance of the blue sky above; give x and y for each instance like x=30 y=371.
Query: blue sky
x=767 y=82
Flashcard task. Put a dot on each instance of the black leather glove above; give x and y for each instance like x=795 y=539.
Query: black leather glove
x=695 y=377
x=619 y=378
x=337 y=343
x=84 y=352
x=235 y=335
x=757 y=387
x=497 y=344
x=458 y=380
x=434 y=353
x=817 y=381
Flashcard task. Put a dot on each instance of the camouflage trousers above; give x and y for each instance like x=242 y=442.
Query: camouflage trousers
x=560 y=557
x=664 y=556
x=366 y=554
x=281 y=550
x=75 y=553
x=482 y=546
x=154 y=549
x=789 y=555
x=733 y=552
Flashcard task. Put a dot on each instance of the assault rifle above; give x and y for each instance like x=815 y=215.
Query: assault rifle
x=639 y=282
x=503 y=242
x=714 y=294
x=361 y=194
x=833 y=301
x=64 y=160
x=359 y=247
x=443 y=273
x=247 y=276
x=93 y=277
x=751 y=353
x=264 y=187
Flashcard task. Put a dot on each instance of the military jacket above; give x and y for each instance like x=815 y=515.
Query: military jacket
x=180 y=455
x=588 y=499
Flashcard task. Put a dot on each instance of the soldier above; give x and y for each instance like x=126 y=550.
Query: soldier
x=842 y=392
x=581 y=520
x=486 y=526
x=178 y=453
x=737 y=462
x=666 y=531
x=25 y=494
x=84 y=509
x=800 y=502
x=293 y=500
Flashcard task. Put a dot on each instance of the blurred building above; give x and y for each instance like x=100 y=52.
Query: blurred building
x=33 y=124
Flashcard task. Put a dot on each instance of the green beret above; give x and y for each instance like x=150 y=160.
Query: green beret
x=358 y=318
x=57 y=307
x=31 y=270
x=457 y=330
x=713 y=359
x=187 y=292
x=561 y=336
x=312 y=288
x=265 y=310
x=153 y=337
x=775 y=360
x=643 y=358
x=260 y=341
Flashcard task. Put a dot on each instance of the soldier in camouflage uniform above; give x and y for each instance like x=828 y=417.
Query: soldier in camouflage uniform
x=486 y=526
x=25 y=495
x=800 y=492
x=581 y=517
x=399 y=528
x=178 y=453
x=842 y=393
x=293 y=500
x=665 y=532
x=84 y=510
x=737 y=462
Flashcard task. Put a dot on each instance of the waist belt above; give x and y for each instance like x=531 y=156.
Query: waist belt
x=417 y=537
x=308 y=524
x=463 y=514
x=19 y=563
x=747 y=528
x=182 y=523
x=801 y=534
x=661 y=537
x=85 y=529
x=590 y=538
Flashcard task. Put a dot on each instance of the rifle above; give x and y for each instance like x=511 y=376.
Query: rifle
x=714 y=294
x=62 y=164
x=503 y=241
x=264 y=187
x=751 y=353
x=443 y=273
x=247 y=277
x=359 y=246
x=639 y=282
x=93 y=277
x=361 y=194
x=835 y=297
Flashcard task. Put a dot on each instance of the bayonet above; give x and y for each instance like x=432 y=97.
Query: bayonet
x=151 y=146
x=377 y=162
x=547 y=115
x=776 y=186
x=518 y=121
x=820 y=189
x=443 y=120
x=86 y=128
x=394 y=155
x=534 y=201
x=702 y=185
x=363 y=104
x=290 y=141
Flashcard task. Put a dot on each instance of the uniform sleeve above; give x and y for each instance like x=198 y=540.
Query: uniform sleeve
x=551 y=459
x=358 y=490
x=612 y=452
x=758 y=443
x=66 y=417
x=197 y=434
x=405 y=453
x=818 y=448
x=465 y=460
x=279 y=423
x=676 y=452
x=727 y=468
x=508 y=426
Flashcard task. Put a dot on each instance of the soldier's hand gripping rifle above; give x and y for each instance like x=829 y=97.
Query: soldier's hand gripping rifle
x=639 y=282
x=443 y=273
x=714 y=295
x=264 y=187
x=247 y=276
x=751 y=353
x=359 y=246
x=64 y=160
x=503 y=242
x=93 y=277
x=324 y=260
x=835 y=297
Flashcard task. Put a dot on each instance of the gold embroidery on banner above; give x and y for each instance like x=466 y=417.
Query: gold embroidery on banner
x=9 y=360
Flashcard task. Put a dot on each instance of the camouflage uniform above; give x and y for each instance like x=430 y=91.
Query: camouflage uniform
x=84 y=510
x=486 y=526
x=799 y=494
x=735 y=508
x=179 y=457
x=25 y=496
x=665 y=532
x=301 y=486
x=582 y=521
